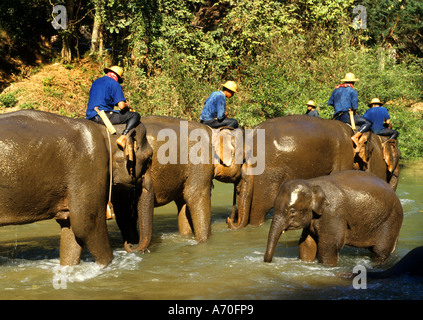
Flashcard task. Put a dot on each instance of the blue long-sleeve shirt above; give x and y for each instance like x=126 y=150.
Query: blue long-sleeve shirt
x=214 y=107
x=105 y=93
x=378 y=116
x=343 y=99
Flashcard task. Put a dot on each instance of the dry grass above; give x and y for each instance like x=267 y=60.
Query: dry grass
x=56 y=88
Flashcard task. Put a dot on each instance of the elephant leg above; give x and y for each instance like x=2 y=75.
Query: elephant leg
x=328 y=255
x=88 y=223
x=263 y=200
x=70 y=247
x=379 y=255
x=199 y=206
x=258 y=213
x=307 y=247
x=97 y=241
x=330 y=243
x=184 y=218
x=384 y=246
x=264 y=195
x=411 y=264
x=126 y=219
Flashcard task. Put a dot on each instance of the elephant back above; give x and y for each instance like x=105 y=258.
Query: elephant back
x=316 y=146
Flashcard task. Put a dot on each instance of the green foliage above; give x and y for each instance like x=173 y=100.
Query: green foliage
x=48 y=81
x=409 y=124
x=19 y=18
x=8 y=100
x=281 y=54
x=397 y=23
x=29 y=105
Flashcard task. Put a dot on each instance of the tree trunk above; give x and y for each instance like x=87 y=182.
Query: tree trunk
x=97 y=34
x=66 y=52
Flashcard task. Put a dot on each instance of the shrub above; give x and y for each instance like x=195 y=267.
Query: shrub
x=8 y=100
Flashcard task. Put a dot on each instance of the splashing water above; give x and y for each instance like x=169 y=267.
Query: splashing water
x=228 y=266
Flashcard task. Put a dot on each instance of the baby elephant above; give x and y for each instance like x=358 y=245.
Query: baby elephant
x=352 y=208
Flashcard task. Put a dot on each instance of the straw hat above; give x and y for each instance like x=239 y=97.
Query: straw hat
x=117 y=70
x=375 y=101
x=311 y=103
x=230 y=85
x=349 y=77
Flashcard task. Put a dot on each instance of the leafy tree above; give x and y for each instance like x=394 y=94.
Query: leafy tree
x=397 y=23
x=26 y=24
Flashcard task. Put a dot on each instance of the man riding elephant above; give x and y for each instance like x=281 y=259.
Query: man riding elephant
x=345 y=99
x=214 y=114
x=55 y=167
x=381 y=121
x=311 y=109
x=300 y=147
x=187 y=156
x=105 y=93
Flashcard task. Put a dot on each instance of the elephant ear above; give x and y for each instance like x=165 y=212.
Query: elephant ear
x=318 y=201
x=224 y=146
x=390 y=153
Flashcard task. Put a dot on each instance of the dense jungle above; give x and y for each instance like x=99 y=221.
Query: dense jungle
x=175 y=53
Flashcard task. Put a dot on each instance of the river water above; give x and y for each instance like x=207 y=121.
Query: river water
x=229 y=266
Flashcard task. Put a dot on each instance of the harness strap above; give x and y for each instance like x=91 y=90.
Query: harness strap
x=110 y=165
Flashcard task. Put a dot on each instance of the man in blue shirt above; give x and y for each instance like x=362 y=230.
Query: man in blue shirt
x=311 y=109
x=345 y=98
x=106 y=93
x=214 y=114
x=381 y=122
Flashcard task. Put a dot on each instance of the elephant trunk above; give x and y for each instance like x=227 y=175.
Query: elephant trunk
x=145 y=235
x=276 y=229
x=145 y=216
x=245 y=199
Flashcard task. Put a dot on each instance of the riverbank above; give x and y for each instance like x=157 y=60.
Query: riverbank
x=64 y=89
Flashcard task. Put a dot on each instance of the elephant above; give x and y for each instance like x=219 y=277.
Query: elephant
x=295 y=147
x=301 y=147
x=380 y=155
x=55 y=167
x=182 y=170
x=352 y=207
x=410 y=265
